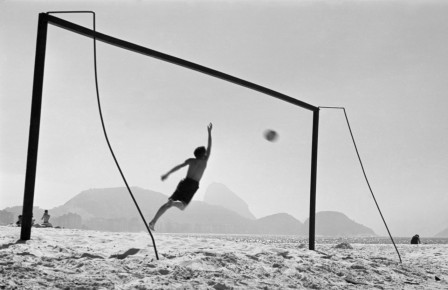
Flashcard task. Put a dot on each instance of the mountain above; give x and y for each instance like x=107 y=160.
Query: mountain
x=219 y=194
x=442 y=234
x=112 y=209
x=112 y=203
x=6 y=218
x=332 y=223
x=15 y=211
x=281 y=224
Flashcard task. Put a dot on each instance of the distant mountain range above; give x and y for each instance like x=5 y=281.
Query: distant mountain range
x=442 y=234
x=219 y=194
x=222 y=211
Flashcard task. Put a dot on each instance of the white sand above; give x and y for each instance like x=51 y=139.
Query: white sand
x=75 y=259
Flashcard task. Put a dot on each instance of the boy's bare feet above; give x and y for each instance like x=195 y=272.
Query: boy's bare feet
x=151 y=226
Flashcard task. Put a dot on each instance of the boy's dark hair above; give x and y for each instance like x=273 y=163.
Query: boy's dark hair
x=199 y=152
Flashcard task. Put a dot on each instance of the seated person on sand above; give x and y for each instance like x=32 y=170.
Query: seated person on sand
x=46 y=218
x=19 y=222
x=415 y=240
x=187 y=187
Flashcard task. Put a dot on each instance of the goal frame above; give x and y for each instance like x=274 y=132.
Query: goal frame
x=36 y=104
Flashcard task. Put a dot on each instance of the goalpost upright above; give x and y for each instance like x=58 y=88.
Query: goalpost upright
x=33 y=141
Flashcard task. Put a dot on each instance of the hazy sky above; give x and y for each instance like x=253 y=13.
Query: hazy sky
x=385 y=61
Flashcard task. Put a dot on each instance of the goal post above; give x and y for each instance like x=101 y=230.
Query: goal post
x=33 y=141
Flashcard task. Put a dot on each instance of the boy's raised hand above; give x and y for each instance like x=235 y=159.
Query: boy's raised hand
x=209 y=127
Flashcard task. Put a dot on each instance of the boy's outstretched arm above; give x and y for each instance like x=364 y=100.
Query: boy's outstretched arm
x=209 y=144
x=175 y=168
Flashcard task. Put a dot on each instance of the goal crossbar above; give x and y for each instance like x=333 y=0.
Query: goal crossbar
x=171 y=59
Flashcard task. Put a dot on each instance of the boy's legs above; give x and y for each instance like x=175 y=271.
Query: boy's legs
x=170 y=203
x=179 y=204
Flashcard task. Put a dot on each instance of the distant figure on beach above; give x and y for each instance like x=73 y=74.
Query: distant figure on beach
x=415 y=240
x=19 y=222
x=46 y=218
x=188 y=186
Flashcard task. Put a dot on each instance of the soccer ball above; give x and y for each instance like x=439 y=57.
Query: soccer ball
x=270 y=135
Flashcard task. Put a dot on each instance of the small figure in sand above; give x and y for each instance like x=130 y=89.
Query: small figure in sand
x=415 y=240
x=19 y=222
x=46 y=218
x=188 y=186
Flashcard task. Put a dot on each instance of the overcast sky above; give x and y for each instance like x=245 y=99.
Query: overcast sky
x=386 y=62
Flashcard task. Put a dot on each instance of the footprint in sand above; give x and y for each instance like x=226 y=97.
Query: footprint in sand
x=129 y=252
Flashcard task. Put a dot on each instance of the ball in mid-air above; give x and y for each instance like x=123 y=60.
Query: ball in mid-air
x=271 y=135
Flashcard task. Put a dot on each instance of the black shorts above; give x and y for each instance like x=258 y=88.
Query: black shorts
x=185 y=190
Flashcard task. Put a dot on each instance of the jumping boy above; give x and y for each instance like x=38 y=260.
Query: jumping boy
x=188 y=186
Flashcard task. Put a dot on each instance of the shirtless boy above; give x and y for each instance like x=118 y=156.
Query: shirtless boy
x=46 y=217
x=188 y=186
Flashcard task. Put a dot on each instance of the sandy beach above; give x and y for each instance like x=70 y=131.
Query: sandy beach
x=78 y=259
